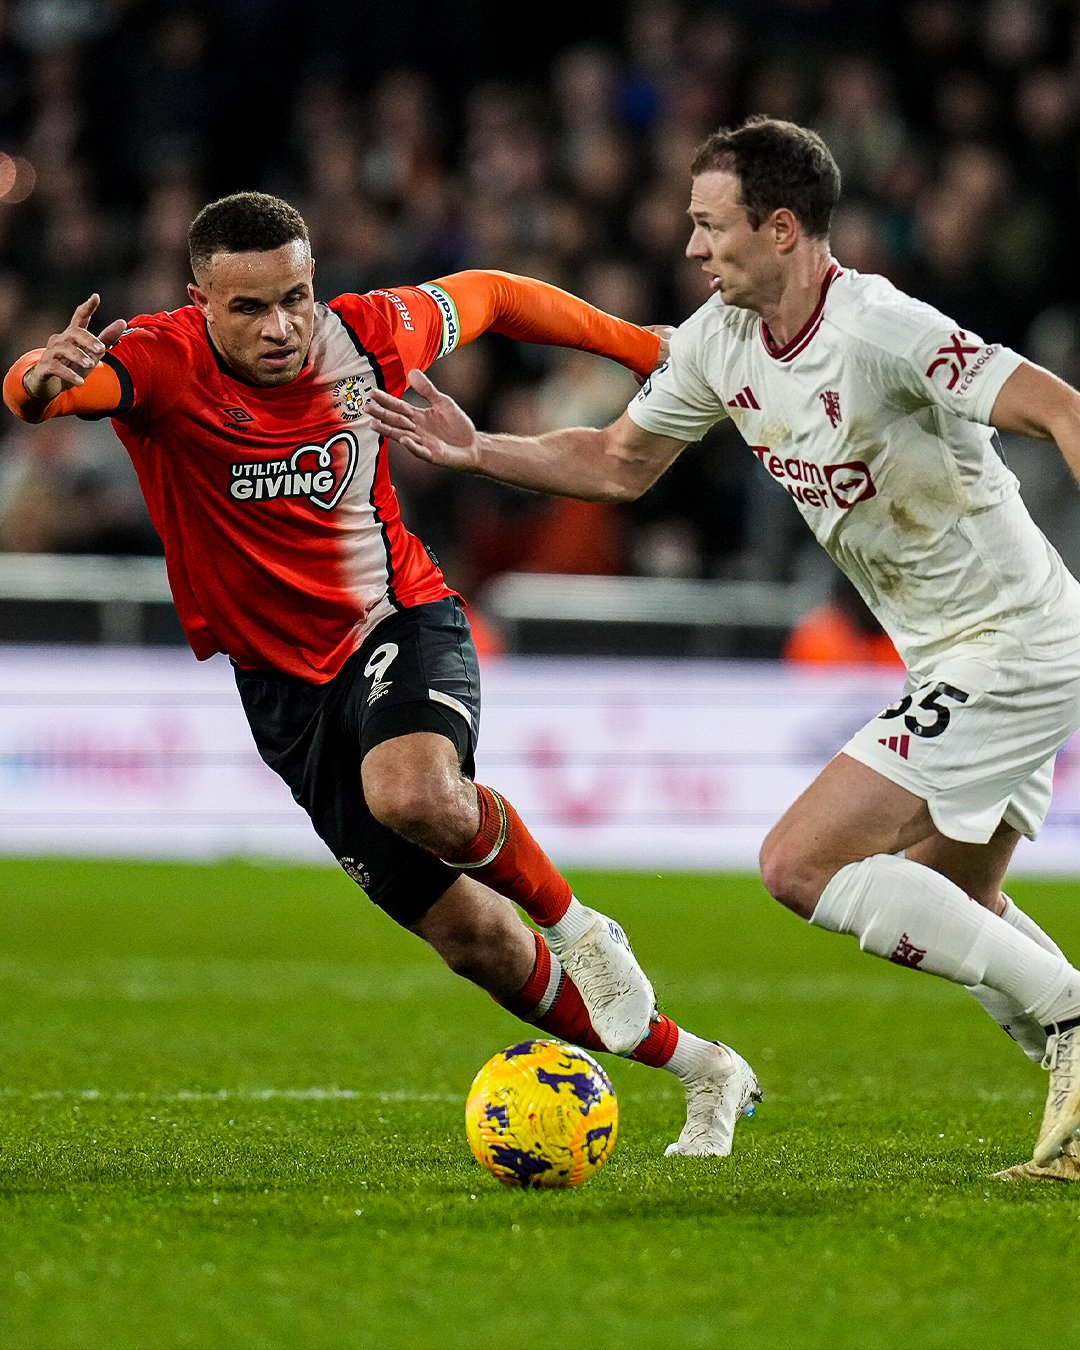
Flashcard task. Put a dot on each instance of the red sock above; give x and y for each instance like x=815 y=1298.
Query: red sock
x=549 y=999
x=659 y=1045
x=506 y=857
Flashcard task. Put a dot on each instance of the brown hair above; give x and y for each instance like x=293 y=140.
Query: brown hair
x=778 y=164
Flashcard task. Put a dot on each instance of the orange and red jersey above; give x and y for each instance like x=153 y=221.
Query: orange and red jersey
x=282 y=531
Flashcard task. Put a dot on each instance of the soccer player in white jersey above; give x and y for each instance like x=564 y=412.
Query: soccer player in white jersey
x=878 y=414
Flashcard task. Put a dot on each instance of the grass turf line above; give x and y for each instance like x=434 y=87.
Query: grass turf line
x=231 y=1115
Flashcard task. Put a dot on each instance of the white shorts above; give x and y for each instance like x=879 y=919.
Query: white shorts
x=976 y=738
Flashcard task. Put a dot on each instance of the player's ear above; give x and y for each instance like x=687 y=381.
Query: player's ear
x=785 y=229
x=199 y=299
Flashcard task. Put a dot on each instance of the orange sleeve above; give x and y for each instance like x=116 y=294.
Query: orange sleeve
x=533 y=311
x=100 y=392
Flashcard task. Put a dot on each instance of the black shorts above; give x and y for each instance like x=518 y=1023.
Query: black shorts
x=417 y=671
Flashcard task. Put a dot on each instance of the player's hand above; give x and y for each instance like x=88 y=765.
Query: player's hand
x=438 y=431
x=71 y=355
x=664 y=332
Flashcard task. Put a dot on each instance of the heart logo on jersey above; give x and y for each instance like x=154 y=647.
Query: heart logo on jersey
x=333 y=467
x=850 y=483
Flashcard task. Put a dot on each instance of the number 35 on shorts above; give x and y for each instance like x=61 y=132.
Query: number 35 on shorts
x=926 y=711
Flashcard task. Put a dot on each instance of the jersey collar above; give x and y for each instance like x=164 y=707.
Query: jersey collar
x=809 y=328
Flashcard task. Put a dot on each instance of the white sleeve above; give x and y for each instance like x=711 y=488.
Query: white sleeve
x=677 y=400
x=931 y=360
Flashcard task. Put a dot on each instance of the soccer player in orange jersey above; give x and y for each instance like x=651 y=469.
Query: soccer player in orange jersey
x=244 y=414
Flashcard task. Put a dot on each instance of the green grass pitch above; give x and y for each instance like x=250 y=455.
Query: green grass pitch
x=231 y=1115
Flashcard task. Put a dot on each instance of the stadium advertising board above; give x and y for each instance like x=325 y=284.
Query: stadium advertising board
x=635 y=763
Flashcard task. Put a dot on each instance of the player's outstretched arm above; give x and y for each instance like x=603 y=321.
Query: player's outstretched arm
x=67 y=362
x=614 y=463
x=529 y=310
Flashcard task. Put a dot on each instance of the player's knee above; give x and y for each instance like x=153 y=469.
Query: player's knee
x=419 y=808
x=401 y=804
x=435 y=808
x=789 y=876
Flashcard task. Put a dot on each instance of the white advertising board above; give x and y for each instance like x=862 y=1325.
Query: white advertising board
x=615 y=763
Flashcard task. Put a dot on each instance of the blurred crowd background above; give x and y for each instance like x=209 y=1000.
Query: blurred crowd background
x=419 y=139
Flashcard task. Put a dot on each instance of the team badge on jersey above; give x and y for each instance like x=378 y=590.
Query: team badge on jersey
x=350 y=395
x=830 y=401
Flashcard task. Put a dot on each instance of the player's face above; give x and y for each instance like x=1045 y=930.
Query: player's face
x=260 y=310
x=741 y=262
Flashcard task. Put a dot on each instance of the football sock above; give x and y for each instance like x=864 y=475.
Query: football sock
x=913 y=916
x=1026 y=1031
x=506 y=857
x=550 y=1000
x=672 y=1047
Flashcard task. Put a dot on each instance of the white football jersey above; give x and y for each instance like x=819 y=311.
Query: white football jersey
x=874 y=418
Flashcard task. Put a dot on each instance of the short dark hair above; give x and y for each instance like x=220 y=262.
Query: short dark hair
x=246 y=222
x=778 y=164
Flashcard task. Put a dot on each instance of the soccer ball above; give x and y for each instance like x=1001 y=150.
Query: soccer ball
x=542 y=1113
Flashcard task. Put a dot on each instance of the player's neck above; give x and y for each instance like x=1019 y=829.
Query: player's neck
x=798 y=297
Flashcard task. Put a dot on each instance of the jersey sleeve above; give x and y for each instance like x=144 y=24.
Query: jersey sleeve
x=676 y=399
x=143 y=365
x=153 y=362
x=529 y=310
x=99 y=395
x=925 y=358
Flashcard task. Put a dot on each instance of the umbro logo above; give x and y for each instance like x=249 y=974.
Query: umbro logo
x=899 y=744
x=378 y=688
x=744 y=399
x=236 y=417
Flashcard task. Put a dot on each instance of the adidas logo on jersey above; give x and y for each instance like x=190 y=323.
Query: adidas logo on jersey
x=898 y=744
x=744 y=399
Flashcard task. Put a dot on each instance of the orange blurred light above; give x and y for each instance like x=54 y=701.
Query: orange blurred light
x=18 y=178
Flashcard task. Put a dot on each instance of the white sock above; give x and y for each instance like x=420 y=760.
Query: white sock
x=564 y=932
x=910 y=914
x=692 y=1056
x=1026 y=1031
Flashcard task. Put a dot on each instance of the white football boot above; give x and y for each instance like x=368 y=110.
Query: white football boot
x=1061 y=1119
x=614 y=988
x=1064 y=1168
x=716 y=1099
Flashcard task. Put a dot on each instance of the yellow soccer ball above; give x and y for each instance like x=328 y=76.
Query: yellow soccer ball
x=542 y=1113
